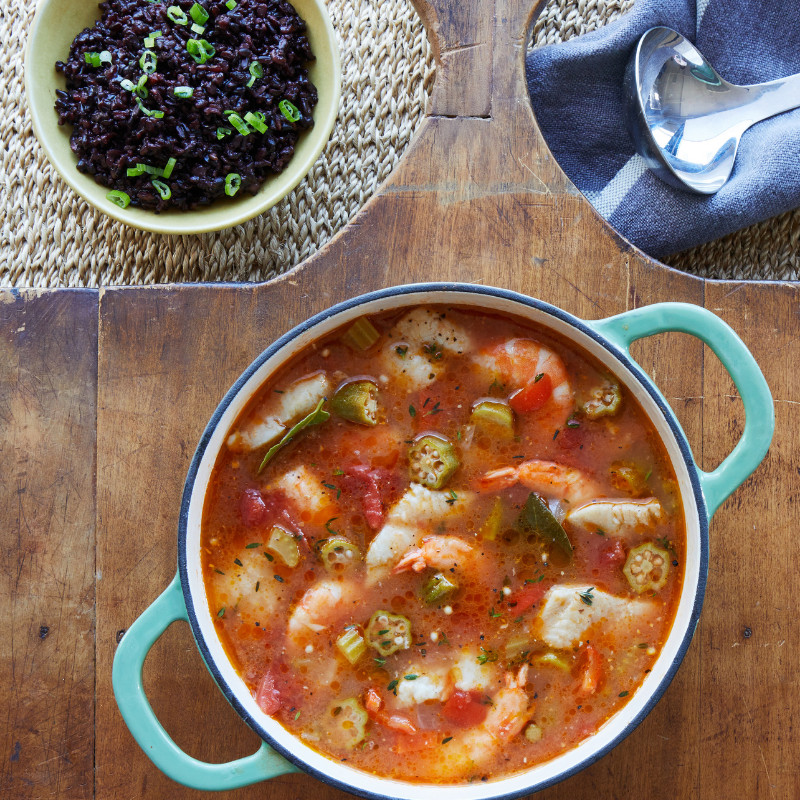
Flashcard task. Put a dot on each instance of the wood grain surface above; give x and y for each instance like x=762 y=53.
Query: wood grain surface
x=477 y=198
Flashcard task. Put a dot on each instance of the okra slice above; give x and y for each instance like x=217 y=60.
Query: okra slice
x=338 y=554
x=352 y=645
x=437 y=588
x=346 y=723
x=629 y=478
x=387 y=633
x=647 y=568
x=603 y=400
x=361 y=335
x=357 y=402
x=494 y=416
x=432 y=460
x=282 y=544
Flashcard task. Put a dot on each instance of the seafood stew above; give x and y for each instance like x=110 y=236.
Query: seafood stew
x=442 y=545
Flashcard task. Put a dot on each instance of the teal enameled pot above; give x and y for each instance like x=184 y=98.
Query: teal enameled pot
x=609 y=341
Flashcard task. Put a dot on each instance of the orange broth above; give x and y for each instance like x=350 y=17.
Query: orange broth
x=479 y=629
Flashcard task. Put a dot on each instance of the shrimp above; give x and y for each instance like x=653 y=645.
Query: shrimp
x=549 y=478
x=439 y=552
x=373 y=703
x=507 y=717
x=536 y=377
x=321 y=607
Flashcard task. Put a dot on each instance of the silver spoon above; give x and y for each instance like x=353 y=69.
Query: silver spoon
x=685 y=120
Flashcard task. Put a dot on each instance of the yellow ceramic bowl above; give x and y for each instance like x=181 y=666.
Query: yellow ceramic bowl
x=58 y=22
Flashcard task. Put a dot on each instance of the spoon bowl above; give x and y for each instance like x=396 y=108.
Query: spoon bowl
x=685 y=120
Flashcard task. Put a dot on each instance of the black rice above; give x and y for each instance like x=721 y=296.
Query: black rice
x=112 y=131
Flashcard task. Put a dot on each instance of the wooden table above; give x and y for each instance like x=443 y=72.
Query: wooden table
x=105 y=393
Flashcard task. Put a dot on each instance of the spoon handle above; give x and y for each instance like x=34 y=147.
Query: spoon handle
x=774 y=97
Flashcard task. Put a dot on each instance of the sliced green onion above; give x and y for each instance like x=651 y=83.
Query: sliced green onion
x=127 y=85
x=230 y=5
x=198 y=29
x=134 y=172
x=200 y=50
x=162 y=189
x=289 y=111
x=148 y=42
x=169 y=167
x=92 y=58
x=255 y=122
x=157 y=114
x=222 y=132
x=232 y=183
x=148 y=62
x=237 y=122
x=147 y=112
x=177 y=15
x=183 y=92
x=151 y=170
x=256 y=72
x=105 y=57
x=155 y=34
x=140 y=87
x=119 y=198
x=198 y=13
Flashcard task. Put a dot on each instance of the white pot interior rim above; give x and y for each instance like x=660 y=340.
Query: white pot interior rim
x=495 y=300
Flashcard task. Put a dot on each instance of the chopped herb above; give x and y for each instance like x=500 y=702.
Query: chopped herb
x=434 y=410
x=333 y=489
x=600 y=532
x=410 y=677
x=487 y=701
x=338 y=472
x=392 y=687
x=380 y=661
x=453 y=497
x=328 y=526
x=587 y=597
x=647 y=477
x=252 y=545
x=492 y=613
x=517 y=456
x=269 y=557
x=538 y=377
x=236 y=561
x=486 y=656
x=401 y=351
x=316 y=417
x=278 y=391
x=624 y=694
x=458 y=434
x=258 y=583
x=642 y=645
x=297 y=716
x=426 y=402
x=555 y=434
x=220 y=612
x=519 y=619
x=447 y=739
x=412 y=411
x=219 y=571
x=386 y=643
x=443 y=640
x=278 y=578
x=383 y=633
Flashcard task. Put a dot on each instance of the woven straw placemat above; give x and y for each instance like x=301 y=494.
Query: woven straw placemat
x=50 y=238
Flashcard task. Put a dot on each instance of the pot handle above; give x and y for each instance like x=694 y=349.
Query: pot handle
x=147 y=730
x=624 y=329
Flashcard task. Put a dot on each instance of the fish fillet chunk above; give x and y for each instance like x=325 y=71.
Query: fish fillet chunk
x=618 y=517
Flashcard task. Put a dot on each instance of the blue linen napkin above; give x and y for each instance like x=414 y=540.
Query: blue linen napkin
x=576 y=91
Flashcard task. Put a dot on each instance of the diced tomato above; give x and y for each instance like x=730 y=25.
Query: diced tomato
x=612 y=556
x=526 y=598
x=591 y=670
x=267 y=695
x=370 y=493
x=373 y=703
x=252 y=508
x=465 y=709
x=571 y=438
x=533 y=396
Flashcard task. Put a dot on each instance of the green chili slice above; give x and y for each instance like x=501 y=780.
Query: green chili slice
x=163 y=190
x=119 y=198
x=177 y=15
x=432 y=461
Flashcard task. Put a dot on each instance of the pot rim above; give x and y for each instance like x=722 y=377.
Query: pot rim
x=468 y=289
